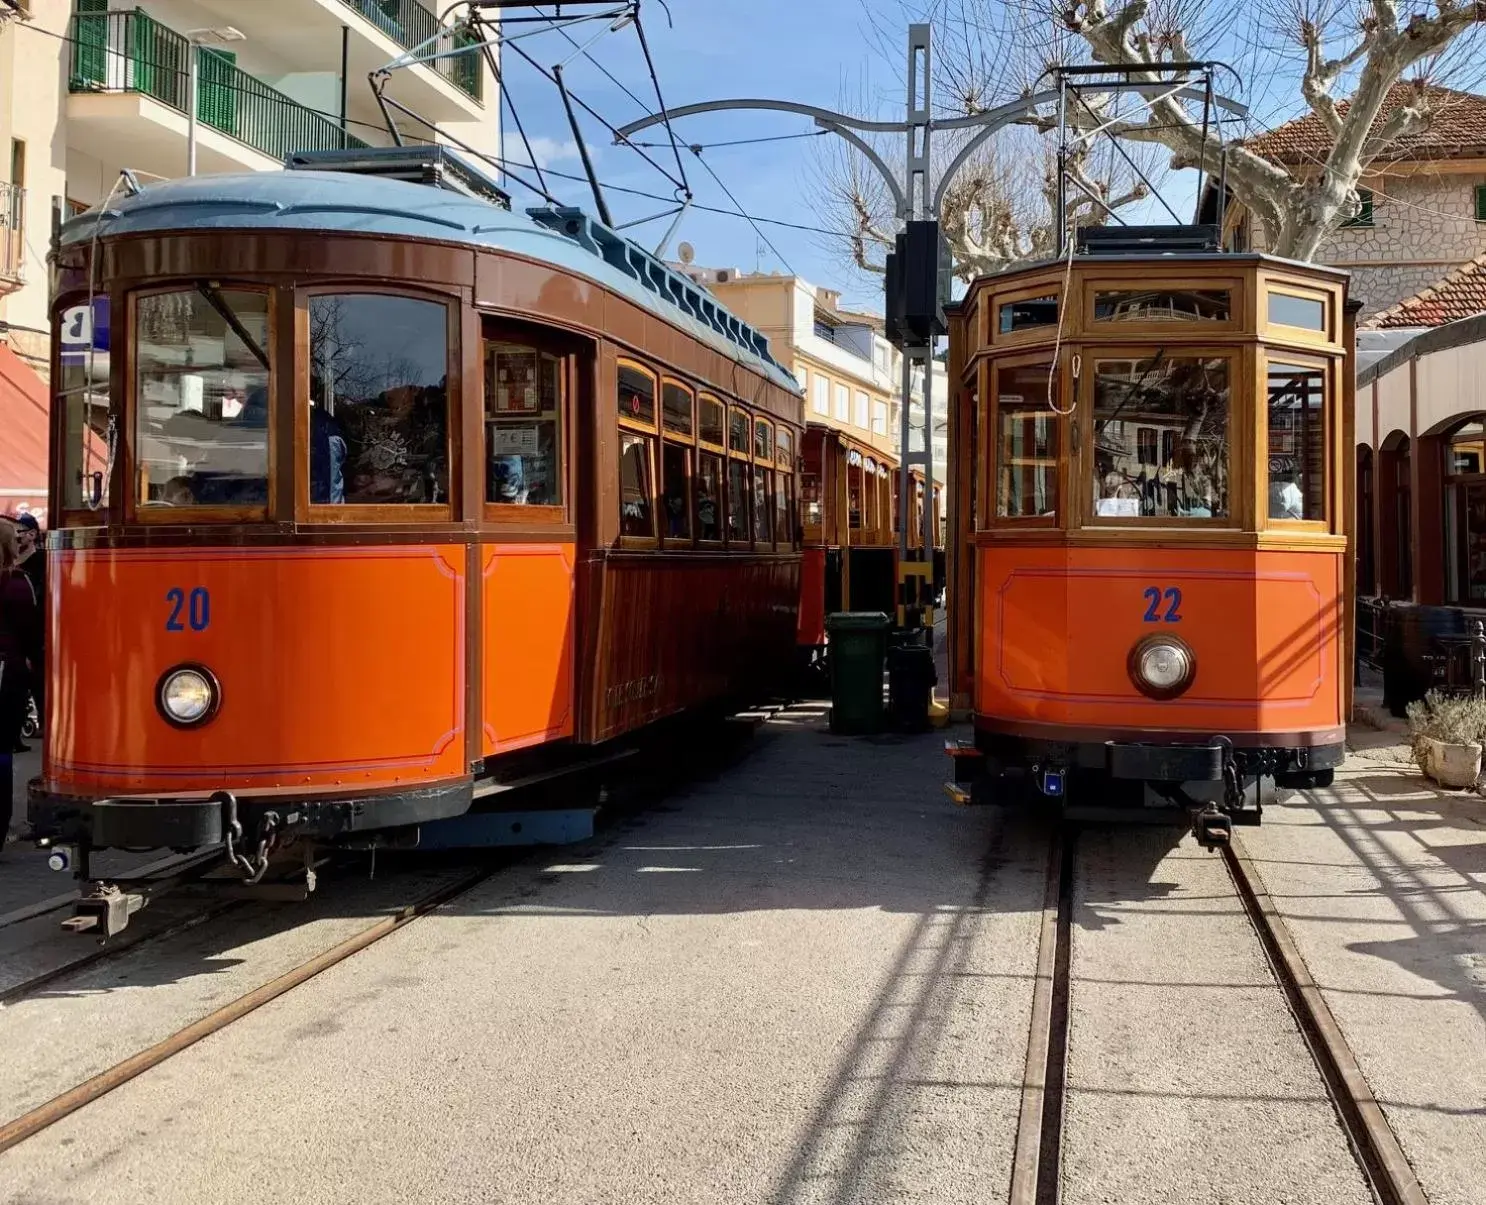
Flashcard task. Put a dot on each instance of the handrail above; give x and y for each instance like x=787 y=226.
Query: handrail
x=12 y=233
x=410 y=24
x=130 y=52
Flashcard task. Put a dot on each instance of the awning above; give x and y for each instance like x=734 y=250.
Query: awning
x=23 y=437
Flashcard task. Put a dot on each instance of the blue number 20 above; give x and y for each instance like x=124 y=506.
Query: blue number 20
x=1153 y=597
x=198 y=610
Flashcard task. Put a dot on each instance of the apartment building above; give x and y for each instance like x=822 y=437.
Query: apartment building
x=89 y=88
x=845 y=364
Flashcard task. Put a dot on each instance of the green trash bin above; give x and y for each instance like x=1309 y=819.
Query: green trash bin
x=858 y=652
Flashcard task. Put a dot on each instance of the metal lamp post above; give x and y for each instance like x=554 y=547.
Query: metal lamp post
x=197 y=39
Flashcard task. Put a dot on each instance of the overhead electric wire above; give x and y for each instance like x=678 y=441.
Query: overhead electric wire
x=707 y=146
x=660 y=102
x=742 y=213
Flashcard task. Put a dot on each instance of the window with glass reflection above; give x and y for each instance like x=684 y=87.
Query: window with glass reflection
x=676 y=404
x=1027 y=314
x=379 y=372
x=1297 y=441
x=1187 y=396
x=636 y=394
x=201 y=379
x=635 y=517
x=1288 y=309
x=763 y=440
x=709 y=496
x=1027 y=443
x=763 y=505
x=738 y=432
x=523 y=425
x=1163 y=305
x=82 y=393
x=674 y=498
x=737 y=512
x=710 y=420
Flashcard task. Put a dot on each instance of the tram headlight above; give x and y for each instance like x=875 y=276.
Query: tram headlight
x=1162 y=666
x=188 y=695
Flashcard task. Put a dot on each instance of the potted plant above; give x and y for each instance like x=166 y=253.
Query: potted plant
x=1447 y=737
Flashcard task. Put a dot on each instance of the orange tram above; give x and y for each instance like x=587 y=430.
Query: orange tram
x=376 y=499
x=1150 y=500
x=849 y=500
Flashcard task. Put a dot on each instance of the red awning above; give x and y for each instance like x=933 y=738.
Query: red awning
x=23 y=437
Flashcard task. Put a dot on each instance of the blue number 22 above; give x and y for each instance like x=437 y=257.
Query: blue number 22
x=1153 y=596
x=198 y=609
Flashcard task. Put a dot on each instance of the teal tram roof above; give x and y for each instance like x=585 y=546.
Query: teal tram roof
x=339 y=203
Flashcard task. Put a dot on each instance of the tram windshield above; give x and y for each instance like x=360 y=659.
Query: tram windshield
x=1161 y=437
x=201 y=373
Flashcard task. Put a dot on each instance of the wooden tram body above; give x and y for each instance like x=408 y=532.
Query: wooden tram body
x=849 y=512
x=1150 y=502
x=513 y=490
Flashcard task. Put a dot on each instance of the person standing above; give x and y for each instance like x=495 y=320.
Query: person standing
x=20 y=642
x=33 y=565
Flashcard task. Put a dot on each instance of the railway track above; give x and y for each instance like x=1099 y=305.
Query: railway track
x=35 y=1120
x=1038 y=1151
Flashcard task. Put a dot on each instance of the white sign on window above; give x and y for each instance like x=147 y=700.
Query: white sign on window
x=514 y=441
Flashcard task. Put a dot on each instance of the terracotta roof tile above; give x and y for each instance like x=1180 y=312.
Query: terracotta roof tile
x=1461 y=294
x=1458 y=126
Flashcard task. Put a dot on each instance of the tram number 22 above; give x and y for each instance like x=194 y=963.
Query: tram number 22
x=194 y=609
x=1155 y=597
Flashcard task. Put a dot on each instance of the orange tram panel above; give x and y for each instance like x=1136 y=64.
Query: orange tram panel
x=1150 y=507
x=375 y=498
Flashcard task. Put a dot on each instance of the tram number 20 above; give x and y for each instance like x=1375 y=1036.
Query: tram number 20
x=194 y=609
x=1163 y=606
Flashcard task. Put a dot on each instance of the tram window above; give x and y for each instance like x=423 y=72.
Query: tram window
x=810 y=499
x=1026 y=454
x=738 y=432
x=783 y=444
x=1186 y=395
x=1163 y=305
x=379 y=400
x=763 y=493
x=675 y=503
x=711 y=421
x=1287 y=309
x=709 y=496
x=201 y=397
x=763 y=440
x=676 y=402
x=1297 y=442
x=783 y=505
x=523 y=426
x=83 y=396
x=634 y=486
x=636 y=394
x=854 y=501
x=1029 y=313
x=737 y=502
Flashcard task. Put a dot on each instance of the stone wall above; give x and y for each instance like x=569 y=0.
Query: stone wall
x=1423 y=226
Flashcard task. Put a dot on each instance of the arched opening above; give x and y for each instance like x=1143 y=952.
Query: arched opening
x=1463 y=451
x=1395 y=516
x=1367 y=582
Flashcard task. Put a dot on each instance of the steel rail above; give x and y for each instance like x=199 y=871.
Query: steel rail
x=35 y=1120
x=1389 y=1174
x=1036 y=1154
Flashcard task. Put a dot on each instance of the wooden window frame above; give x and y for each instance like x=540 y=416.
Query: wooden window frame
x=1049 y=287
x=626 y=424
x=59 y=514
x=352 y=513
x=648 y=441
x=625 y=420
x=688 y=437
x=706 y=447
x=745 y=458
x=689 y=467
x=1197 y=331
x=126 y=420
x=1329 y=395
x=1238 y=412
x=990 y=459
x=1284 y=332
x=550 y=342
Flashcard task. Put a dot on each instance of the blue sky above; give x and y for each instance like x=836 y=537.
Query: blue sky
x=814 y=51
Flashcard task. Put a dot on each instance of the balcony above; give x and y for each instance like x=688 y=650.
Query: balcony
x=130 y=83
x=12 y=238
x=305 y=36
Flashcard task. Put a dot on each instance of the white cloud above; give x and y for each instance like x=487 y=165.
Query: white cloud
x=546 y=151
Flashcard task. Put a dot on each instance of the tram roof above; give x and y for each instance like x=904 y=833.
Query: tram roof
x=334 y=202
x=1200 y=259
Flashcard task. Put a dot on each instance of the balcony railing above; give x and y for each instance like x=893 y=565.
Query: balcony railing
x=131 y=52
x=409 y=24
x=12 y=234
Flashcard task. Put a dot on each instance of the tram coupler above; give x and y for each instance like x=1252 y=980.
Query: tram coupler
x=1212 y=828
x=105 y=908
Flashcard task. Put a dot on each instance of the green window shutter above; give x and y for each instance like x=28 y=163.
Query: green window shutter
x=90 y=48
x=1364 y=211
x=216 y=82
x=1481 y=202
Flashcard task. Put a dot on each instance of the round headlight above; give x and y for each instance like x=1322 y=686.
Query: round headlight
x=1162 y=666
x=187 y=695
